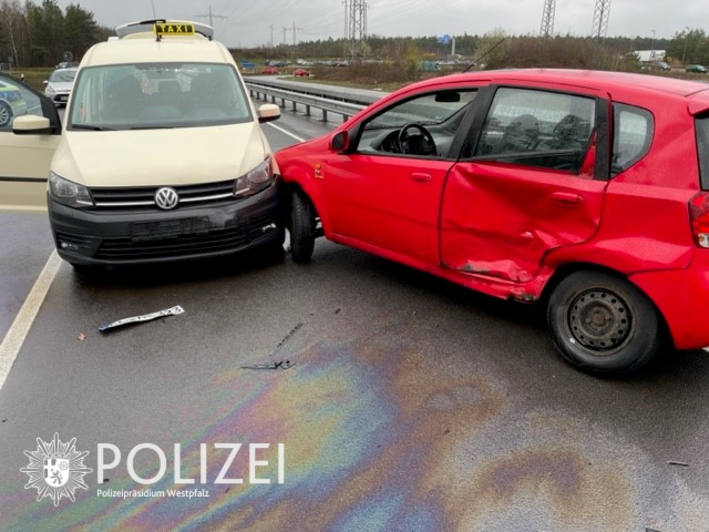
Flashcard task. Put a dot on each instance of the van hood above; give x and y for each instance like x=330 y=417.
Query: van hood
x=157 y=157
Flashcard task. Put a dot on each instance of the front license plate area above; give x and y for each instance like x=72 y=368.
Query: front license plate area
x=168 y=229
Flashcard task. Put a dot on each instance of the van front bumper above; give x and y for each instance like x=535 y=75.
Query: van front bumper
x=84 y=237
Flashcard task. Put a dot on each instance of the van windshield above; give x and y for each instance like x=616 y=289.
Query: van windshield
x=62 y=76
x=157 y=95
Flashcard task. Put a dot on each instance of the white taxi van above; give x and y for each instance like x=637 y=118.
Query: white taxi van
x=161 y=156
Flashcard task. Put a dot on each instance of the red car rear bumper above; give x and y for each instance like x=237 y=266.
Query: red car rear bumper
x=683 y=299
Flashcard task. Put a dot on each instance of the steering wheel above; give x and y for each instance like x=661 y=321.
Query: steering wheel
x=423 y=145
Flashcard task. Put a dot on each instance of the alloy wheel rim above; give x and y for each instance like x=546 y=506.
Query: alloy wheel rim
x=4 y=115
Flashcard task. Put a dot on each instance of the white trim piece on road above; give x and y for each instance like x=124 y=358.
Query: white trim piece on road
x=20 y=327
x=285 y=132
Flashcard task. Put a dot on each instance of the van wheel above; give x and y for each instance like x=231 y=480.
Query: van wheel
x=603 y=324
x=5 y=114
x=302 y=229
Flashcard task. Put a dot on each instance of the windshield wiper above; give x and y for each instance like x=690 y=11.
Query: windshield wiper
x=153 y=127
x=89 y=127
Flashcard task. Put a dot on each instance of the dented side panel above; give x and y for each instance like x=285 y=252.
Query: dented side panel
x=501 y=219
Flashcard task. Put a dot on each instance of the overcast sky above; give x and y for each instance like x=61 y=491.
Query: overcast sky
x=248 y=21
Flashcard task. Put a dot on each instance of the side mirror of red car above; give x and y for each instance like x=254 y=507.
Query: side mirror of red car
x=340 y=141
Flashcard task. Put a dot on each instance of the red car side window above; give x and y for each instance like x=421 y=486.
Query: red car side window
x=632 y=135
x=538 y=128
x=435 y=116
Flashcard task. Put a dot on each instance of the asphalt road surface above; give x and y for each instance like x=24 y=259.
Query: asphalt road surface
x=413 y=404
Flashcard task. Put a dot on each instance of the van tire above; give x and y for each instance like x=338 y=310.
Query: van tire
x=302 y=228
x=603 y=324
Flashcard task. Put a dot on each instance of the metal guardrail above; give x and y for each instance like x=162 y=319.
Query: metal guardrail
x=331 y=92
x=325 y=105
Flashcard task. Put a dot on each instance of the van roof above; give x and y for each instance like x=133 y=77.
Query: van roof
x=145 y=50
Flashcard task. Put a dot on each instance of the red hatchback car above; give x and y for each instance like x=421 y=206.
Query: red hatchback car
x=587 y=192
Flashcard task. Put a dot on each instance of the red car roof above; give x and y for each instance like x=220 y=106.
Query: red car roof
x=595 y=79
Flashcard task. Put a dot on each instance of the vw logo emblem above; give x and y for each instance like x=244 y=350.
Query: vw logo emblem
x=166 y=198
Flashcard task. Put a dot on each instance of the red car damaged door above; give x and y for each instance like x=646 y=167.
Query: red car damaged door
x=385 y=193
x=534 y=179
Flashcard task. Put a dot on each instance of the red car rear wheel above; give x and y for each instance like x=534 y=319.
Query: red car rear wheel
x=603 y=324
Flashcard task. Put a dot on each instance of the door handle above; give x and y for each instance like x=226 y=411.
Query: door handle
x=421 y=178
x=568 y=198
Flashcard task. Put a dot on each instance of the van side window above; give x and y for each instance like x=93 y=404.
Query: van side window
x=16 y=100
x=633 y=129
x=538 y=128
x=702 y=126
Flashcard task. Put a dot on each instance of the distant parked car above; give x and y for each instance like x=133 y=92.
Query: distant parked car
x=697 y=69
x=661 y=65
x=269 y=70
x=301 y=73
x=58 y=86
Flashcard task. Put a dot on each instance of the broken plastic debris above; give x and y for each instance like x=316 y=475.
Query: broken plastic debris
x=288 y=336
x=81 y=337
x=282 y=364
x=174 y=311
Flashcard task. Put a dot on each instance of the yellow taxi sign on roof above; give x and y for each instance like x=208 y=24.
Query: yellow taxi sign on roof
x=161 y=27
x=173 y=28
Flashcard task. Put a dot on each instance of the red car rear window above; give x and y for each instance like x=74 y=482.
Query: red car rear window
x=702 y=126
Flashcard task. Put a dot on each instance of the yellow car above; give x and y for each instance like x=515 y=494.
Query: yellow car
x=162 y=156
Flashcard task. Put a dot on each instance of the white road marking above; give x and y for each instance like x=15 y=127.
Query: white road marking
x=278 y=128
x=20 y=327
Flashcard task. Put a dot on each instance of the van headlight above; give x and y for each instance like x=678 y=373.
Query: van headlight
x=255 y=179
x=69 y=193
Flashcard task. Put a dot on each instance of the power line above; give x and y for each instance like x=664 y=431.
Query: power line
x=355 y=24
x=211 y=16
x=547 y=27
x=295 y=29
x=601 y=14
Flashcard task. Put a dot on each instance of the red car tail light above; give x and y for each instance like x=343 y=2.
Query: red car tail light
x=699 y=215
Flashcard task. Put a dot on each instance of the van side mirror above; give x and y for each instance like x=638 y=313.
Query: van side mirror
x=340 y=141
x=268 y=112
x=31 y=125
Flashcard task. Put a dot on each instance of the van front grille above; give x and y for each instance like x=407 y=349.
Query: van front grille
x=143 y=198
